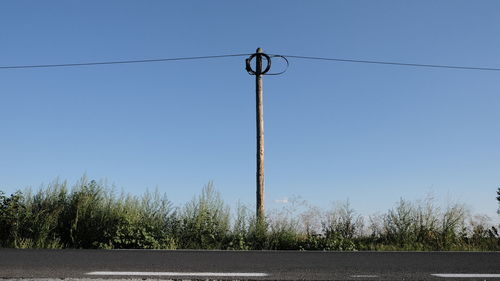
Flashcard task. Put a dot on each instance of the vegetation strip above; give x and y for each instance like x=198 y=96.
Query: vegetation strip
x=90 y=215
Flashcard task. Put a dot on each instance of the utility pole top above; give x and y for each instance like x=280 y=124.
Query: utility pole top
x=259 y=50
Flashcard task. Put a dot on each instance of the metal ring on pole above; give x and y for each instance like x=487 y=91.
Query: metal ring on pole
x=249 y=66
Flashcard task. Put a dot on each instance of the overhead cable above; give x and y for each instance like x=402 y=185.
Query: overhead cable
x=120 y=62
x=394 y=63
x=240 y=55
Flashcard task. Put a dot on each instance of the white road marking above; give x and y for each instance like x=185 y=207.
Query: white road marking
x=364 y=276
x=466 y=275
x=208 y=274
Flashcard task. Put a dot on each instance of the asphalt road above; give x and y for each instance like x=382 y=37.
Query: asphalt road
x=250 y=265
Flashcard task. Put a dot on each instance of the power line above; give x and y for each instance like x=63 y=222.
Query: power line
x=120 y=62
x=240 y=55
x=394 y=63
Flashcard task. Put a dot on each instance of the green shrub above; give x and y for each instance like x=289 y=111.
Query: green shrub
x=238 y=237
x=10 y=209
x=204 y=222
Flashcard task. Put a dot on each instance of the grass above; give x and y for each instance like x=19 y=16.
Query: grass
x=91 y=215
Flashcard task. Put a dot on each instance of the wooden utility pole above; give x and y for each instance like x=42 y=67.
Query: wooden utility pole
x=260 y=136
x=258 y=72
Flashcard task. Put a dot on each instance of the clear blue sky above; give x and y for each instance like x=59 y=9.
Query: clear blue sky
x=334 y=130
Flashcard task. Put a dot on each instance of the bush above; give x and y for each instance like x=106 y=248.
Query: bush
x=204 y=222
x=10 y=209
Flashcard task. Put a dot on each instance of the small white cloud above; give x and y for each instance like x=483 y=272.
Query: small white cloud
x=282 y=201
